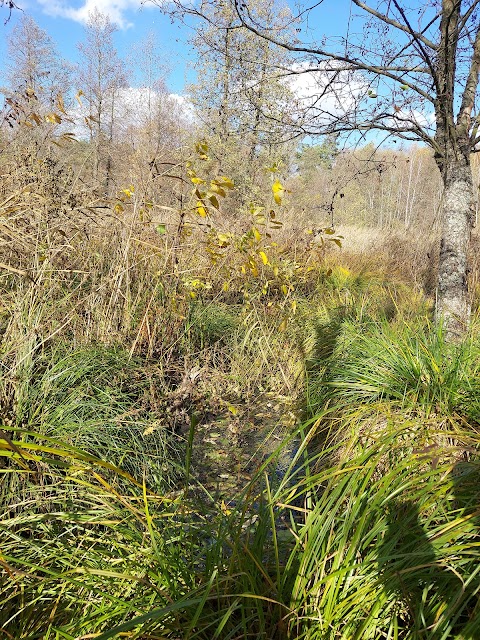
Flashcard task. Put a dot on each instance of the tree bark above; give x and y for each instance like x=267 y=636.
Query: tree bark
x=453 y=305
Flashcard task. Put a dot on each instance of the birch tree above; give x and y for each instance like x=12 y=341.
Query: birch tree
x=408 y=70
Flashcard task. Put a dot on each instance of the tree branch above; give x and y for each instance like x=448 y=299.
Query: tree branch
x=356 y=64
x=464 y=19
x=419 y=42
x=398 y=25
x=468 y=98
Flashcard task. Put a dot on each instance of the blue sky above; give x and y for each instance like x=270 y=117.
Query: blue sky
x=63 y=21
x=134 y=23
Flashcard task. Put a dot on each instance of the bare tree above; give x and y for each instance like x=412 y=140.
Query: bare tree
x=36 y=74
x=241 y=103
x=412 y=72
x=101 y=75
x=152 y=68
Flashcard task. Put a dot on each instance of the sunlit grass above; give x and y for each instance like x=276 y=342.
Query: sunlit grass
x=381 y=542
x=367 y=530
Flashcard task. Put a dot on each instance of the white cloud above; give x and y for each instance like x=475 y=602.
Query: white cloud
x=406 y=117
x=324 y=93
x=116 y=10
x=135 y=107
x=328 y=96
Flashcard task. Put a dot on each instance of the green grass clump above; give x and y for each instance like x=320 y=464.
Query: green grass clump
x=104 y=402
x=410 y=365
x=212 y=323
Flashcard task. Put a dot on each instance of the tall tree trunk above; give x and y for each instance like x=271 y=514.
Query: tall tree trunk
x=453 y=302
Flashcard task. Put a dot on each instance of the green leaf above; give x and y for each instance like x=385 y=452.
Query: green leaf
x=161 y=229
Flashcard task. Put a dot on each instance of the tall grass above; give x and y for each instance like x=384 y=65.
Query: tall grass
x=382 y=544
x=102 y=401
x=410 y=364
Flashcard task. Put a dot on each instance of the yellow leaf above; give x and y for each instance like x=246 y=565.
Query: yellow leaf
x=197 y=180
x=254 y=210
x=275 y=271
x=53 y=118
x=253 y=267
x=257 y=234
x=223 y=239
x=226 y=182
x=284 y=289
x=293 y=304
x=202 y=149
x=216 y=188
x=263 y=257
x=226 y=286
x=149 y=430
x=225 y=509
x=233 y=410
x=283 y=325
x=278 y=190
x=201 y=210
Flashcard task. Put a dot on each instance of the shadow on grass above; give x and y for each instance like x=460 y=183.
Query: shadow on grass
x=435 y=578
